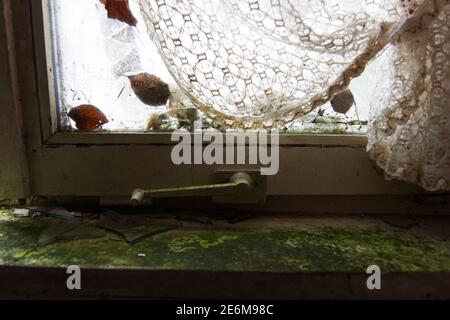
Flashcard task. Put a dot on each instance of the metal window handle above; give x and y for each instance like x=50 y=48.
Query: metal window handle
x=239 y=183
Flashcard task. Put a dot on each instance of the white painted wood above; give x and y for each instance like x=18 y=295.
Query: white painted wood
x=117 y=170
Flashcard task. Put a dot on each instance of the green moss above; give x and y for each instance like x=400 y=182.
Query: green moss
x=192 y=242
x=279 y=250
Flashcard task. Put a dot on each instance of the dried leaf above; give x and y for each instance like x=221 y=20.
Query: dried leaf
x=158 y=122
x=53 y=212
x=135 y=228
x=87 y=117
x=150 y=89
x=120 y=10
x=135 y=233
x=202 y=218
x=68 y=231
x=401 y=222
x=53 y=233
x=343 y=102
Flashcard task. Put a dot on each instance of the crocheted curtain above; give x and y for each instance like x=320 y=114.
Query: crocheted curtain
x=263 y=63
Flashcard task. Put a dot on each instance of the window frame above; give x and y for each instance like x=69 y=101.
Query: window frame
x=43 y=34
x=73 y=164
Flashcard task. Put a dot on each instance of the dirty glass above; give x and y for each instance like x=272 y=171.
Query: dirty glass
x=96 y=58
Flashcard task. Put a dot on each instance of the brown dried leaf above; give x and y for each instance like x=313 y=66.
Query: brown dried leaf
x=150 y=89
x=120 y=10
x=343 y=102
x=87 y=117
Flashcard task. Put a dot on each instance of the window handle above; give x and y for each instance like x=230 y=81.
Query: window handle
x=239 y=183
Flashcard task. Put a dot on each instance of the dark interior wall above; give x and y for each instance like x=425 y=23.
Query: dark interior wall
x=12 y=162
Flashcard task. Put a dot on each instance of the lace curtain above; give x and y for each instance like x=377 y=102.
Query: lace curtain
x=263 y=63
x=409 y=132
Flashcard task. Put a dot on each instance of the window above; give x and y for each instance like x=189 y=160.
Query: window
x=95 y=55
x=73 y=63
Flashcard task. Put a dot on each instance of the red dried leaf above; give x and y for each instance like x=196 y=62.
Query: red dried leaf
x=120 y=10
x=87 y=117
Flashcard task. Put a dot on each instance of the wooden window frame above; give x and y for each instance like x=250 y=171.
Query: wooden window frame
x=111 y=165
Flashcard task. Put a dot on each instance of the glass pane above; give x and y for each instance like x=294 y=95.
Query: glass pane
x=95 y=55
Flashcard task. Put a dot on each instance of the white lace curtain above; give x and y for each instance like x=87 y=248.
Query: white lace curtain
x=264 y=63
